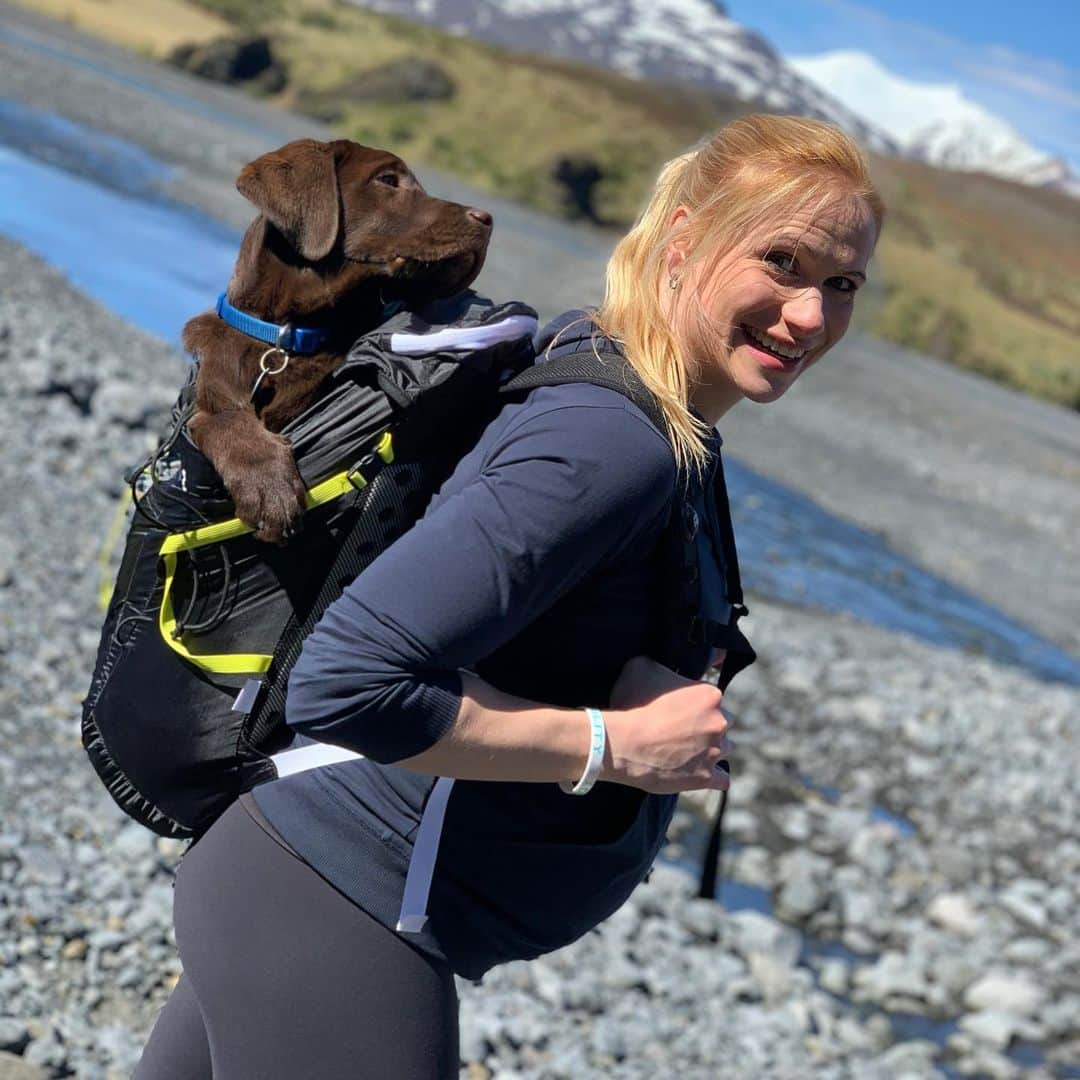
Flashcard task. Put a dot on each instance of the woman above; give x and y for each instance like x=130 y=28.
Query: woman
x=530 y=579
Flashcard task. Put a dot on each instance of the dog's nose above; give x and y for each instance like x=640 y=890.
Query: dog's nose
x=481 y=215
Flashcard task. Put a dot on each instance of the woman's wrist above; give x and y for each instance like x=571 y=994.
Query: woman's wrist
x=611 y=770
x=593 y=763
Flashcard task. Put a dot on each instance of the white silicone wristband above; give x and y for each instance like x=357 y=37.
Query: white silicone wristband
x=597 y=743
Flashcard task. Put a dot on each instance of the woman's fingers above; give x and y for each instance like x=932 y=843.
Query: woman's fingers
x=723 y=749
x=673 y=736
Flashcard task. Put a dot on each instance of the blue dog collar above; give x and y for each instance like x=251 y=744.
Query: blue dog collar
x=285 y=337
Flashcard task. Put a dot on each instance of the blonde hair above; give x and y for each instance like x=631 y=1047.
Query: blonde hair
x=747 y=175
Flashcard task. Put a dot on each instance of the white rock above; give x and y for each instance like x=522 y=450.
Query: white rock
x=955 y=912
x=859 y=908
x=772 y=975
x=991 y=1026
x=872 y=848
x=132 y=842
x=911 y=1058
x=740 y=824
x=955 y=971
x=868 y=712
x=1005 y=992
x=894 y=974
x=1028 y=950
x=1062 y=1017
x=800 y=898
x=752 y=932
x=794 y=823
x=842 y=823
x=753 y=866
x=1025 y=910
x=833 y=976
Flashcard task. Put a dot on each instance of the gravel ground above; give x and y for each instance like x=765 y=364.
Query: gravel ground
x=910 y=813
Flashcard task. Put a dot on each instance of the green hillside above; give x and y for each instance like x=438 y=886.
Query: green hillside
x=980 y=272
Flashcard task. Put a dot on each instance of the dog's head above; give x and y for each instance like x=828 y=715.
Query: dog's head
x=357 y=216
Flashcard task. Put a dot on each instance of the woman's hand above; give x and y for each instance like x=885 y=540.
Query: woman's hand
x=665 y=733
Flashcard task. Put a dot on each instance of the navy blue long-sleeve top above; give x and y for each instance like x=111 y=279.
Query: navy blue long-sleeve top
x=534 y=567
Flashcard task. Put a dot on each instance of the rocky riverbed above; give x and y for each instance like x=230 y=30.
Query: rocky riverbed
x=903 y=861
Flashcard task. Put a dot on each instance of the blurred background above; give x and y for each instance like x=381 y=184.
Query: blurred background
x=901 y=877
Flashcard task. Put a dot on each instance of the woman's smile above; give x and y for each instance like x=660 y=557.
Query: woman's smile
x=770 y=352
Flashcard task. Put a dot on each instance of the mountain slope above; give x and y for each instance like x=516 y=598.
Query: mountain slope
x=667 y=41
x=934 y=122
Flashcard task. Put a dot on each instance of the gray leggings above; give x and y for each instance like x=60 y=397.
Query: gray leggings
x=285 y=978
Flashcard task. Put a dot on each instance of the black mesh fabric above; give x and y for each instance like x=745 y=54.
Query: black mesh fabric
x=382 y=511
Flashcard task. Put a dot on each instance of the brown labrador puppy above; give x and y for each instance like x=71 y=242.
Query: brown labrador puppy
x=342 y=229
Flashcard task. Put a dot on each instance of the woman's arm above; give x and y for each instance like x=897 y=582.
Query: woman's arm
x=670 y=742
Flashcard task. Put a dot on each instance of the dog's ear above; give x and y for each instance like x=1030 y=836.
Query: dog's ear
x=296 y=188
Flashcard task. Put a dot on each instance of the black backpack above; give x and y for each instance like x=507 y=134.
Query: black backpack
x=187 y=701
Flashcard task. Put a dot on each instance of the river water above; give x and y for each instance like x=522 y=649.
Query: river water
x=94 y=206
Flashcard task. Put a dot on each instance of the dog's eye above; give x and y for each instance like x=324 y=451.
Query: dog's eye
x=390 y=178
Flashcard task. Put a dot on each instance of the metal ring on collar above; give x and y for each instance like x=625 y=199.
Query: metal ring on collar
x=270 y=352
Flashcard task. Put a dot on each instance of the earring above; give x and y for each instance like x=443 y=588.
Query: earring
x=673 y=281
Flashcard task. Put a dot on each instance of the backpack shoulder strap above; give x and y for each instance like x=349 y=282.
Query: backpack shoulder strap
x=722 y=509
x=678 y=549
x=740 y=653
x=608 y=369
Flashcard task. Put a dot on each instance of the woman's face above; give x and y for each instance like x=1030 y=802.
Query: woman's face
x=774 y=306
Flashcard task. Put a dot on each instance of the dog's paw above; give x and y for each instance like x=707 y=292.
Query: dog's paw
x=272 y=498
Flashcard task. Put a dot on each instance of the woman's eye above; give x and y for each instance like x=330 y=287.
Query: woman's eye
x=389 y=178
x=781 y=260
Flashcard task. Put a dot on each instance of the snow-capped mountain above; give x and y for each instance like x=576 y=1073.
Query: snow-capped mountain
x=935 y=122
x=688 y=41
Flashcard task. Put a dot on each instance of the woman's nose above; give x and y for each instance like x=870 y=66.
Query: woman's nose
x=804 y=313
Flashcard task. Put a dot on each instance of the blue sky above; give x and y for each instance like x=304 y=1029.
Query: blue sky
x=1019 y=60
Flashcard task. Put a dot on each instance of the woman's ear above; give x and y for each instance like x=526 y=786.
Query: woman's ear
x=678 y=247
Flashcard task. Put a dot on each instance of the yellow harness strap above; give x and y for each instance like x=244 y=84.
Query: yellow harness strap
x=105 y=585
x=241 y=663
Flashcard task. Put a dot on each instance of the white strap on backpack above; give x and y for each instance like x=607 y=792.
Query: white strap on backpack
x=311 y=756
x=413 y=916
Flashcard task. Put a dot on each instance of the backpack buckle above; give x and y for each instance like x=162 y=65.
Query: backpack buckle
x=365 y=470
